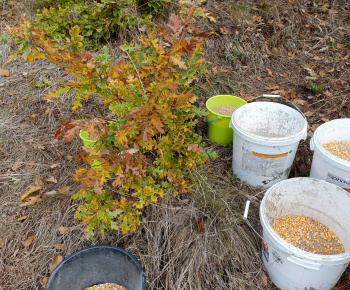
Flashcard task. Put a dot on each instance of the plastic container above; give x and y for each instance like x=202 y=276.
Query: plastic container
x=265 y=141
x=290 y=267
x=218 y=129
x=97 y=265
x=84 y=135
x=325 y=165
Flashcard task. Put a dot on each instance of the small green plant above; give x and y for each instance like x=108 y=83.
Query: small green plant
x=152 y=6
x=97 y=20
x=42 y=83
x=310 y=85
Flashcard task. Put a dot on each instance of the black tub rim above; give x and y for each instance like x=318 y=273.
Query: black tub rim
x=71 y=256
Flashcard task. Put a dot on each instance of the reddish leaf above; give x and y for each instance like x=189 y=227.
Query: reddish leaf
x=175 y=23
x=200 y=226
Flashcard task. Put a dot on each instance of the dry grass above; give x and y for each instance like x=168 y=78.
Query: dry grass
x=194 y=241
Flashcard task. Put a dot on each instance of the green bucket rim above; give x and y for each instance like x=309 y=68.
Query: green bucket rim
x=216 y=96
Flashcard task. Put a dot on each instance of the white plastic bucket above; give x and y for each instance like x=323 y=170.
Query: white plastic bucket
x=325 y=165
x=290 y=267
x=266 y=138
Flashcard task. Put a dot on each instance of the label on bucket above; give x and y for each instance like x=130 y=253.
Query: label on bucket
x=265 y=250
x=263 y=164
x=337 y=180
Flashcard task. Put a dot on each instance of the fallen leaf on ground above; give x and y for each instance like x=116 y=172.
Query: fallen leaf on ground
x=55 y=165
x=60 y=247
x=63 y=230
x=22 y=218
x=4 y=72
x=29 y=191
x=45 y=279
x=63 y=189
x=31 y=164
x=309 y=114
x=48 y=110
x=28 y=241
x=299 y=102
x=263 y=279
x=33 y=116
x=269 y=72
x=312 y=73
x=10 y=93
x=325 y=120
x=51 y=179
x=3 y=151
x=38 y=181
x=55 y=261
x=17 y=165
x=272 y=87
x=50 y=193
x=32 y=200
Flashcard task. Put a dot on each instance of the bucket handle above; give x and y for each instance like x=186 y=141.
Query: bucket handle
x=245 y=217
x=211 y=121
x=290 y=104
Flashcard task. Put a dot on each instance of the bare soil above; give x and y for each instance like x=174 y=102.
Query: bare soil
x=299 y=49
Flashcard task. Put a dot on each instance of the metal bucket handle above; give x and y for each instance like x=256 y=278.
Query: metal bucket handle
x=211 y=121
x=287 y=102
x=291 y=257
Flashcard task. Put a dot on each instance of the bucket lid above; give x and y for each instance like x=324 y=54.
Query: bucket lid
x=333 y=131
x=269 y=123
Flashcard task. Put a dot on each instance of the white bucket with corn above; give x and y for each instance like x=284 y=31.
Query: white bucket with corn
x=288 y=266
x=331 y=145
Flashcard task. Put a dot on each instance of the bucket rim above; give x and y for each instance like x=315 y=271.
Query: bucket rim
x=278 y=141
x=316 y=146
x=81 y=132
x=285 y=246
x=91 y=248
x=244 y=102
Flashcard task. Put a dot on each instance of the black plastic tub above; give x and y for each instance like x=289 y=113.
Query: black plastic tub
x=97 y=265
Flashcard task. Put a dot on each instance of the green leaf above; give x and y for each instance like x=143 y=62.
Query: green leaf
x=5 y=37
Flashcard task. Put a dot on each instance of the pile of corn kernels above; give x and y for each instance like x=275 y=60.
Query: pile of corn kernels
x=308 y=234
x=106 y=286
x=339 y=149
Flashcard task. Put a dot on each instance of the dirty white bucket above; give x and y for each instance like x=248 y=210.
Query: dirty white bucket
x=325 y=165
x=266 y=138
x=290 y=267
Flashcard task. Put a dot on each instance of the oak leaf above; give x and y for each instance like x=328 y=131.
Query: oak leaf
x=177 y=61
x=175 y=23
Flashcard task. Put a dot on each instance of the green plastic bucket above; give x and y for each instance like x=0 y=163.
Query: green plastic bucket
x=218 y=129
x=84 y=135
